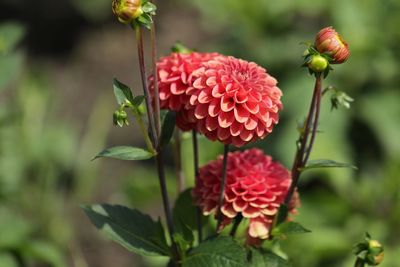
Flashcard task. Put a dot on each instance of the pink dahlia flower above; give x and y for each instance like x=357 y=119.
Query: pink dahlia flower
x=330 y=42
x=234 y=101
x=175 y=76
x=255 y=188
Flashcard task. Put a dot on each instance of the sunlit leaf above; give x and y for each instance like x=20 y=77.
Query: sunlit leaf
x=130 y=228
x=289 y=228
x=122 y=93
x=125 y=153
x=221 y=251
x=326 y=163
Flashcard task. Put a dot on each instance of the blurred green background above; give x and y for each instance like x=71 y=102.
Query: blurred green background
x=57 y=61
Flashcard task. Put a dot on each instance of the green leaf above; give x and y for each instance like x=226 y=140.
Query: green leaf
x=125 y=153
x=289 y=228
x=167 y=128
x=138 y=100
x=122 y=92
x=221 y=251
x=132 y=229
x=326 y=163
x=266 y=259
x=185 y=216
x=10 y=34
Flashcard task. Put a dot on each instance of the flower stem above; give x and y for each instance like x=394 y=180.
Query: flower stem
x=314 y=126
x=165 y=200
x=154 y=136
x=196 y=175
x=155 y=77
x=178 y=162
x=236 y=224
x=299 y=161
x=145 y=134
x=222 y=187
x=149 y=107
x=359 y=263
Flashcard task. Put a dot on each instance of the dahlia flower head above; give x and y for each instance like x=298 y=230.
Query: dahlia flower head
x=330 y=42
x=255 y=188
x=226 y=99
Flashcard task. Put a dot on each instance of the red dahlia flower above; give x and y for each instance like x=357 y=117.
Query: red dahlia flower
x=255 y=188
x=330 y=42
x=234 y=101
x=174 y=78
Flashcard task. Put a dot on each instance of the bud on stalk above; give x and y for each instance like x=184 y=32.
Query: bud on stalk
x=329 y=42
x=127 y=10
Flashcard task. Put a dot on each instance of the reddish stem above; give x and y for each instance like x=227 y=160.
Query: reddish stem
x=298 y=161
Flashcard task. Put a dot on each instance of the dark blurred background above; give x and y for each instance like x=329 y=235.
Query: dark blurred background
x=57 y=62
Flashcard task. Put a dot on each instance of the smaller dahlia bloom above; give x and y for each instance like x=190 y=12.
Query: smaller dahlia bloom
x=174 y=78
x=127 y=10
x=255 y=188
x=330 y=42
x=234 y=101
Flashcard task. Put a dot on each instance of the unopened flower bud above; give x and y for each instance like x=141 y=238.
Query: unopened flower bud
x=375 y=253
x=318 y=63
x=120 y=118
x=329 y=42
x=127 y=10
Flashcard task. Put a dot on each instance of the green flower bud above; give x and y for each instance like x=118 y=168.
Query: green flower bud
x=375 y=253
x=318 y=63
x=127 y=10
x=120 y=118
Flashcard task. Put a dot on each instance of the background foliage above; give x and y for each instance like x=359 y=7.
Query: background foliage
x=57 y=62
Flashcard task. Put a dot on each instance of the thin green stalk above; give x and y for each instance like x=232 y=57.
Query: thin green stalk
x=178 y=161
x=145 y=134
x=196 y=175
x=222 y=186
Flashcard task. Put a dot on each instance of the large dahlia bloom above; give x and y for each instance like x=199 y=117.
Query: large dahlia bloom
x=175 y=76
x=234 y=101
x=255 y=188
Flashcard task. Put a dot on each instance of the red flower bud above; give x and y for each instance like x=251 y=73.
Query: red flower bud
x=127 y=10
x=328 y=41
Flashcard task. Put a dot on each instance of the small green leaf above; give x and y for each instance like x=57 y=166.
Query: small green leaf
x=289 y=228
x=125 y=153
x=266 y=259
x=218 y=252
x=132 y=229
x=167 y=128
x=326 y=163
x=122 y=92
